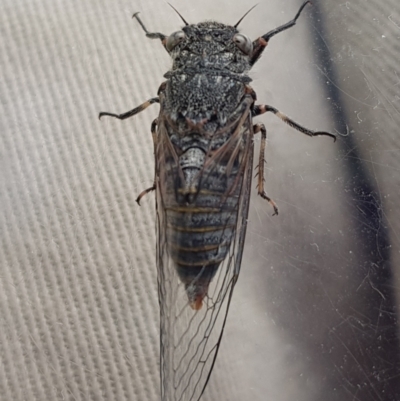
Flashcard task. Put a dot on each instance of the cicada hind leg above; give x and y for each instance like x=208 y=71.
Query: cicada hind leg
x=261 y=109
x=261 y=162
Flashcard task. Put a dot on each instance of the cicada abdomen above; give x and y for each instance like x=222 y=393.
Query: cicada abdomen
x=200 y=177
x=203 y=146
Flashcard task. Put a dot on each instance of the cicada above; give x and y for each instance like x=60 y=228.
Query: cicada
x=203 y=145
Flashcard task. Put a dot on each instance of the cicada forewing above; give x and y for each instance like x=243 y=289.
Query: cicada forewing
x=202 y=213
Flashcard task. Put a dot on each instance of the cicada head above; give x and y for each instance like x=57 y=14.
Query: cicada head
x=209 y=44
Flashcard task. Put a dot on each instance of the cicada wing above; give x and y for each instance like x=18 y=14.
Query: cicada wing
x=191 y=329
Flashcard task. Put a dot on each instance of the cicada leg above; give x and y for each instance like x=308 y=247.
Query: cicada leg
x=153 y=187
x=263 y=108
x=288 y=25
x=151 y=35
x=132 y=112
x=143 y=193
x=261 y=162
x=261 y=43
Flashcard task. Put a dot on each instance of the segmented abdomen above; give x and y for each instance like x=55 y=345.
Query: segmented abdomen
x=200 y=229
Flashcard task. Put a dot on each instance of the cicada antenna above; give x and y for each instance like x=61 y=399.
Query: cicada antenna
x=241 y=19
x=183 y=19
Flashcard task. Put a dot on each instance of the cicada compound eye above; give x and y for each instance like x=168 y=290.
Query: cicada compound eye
x=174 y=39
x=244 y=43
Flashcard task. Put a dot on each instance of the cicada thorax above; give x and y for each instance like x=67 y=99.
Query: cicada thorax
x=200 y=180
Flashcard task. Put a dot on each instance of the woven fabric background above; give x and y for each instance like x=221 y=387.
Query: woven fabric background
x=314 y=315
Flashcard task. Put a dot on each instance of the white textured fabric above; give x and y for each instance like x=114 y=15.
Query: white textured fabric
x=313 y=315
